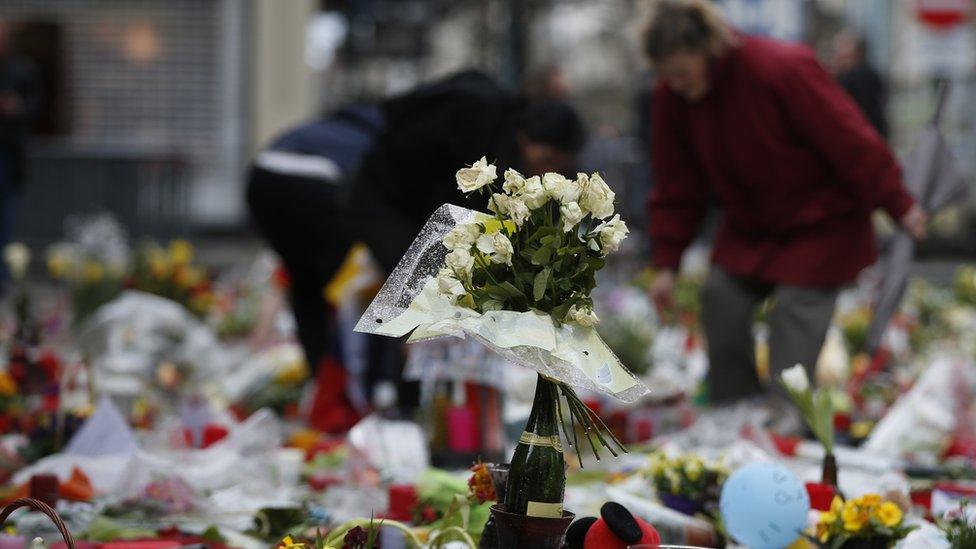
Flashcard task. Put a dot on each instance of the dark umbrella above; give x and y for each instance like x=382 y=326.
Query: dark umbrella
x=932 y=177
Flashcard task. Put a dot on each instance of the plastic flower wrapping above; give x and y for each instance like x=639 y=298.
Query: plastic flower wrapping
x=519 y=282
x=468 y=274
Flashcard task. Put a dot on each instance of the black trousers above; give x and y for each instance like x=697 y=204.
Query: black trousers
x=302 y=219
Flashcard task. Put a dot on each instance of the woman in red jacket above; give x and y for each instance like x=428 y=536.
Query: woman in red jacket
x=758 y=127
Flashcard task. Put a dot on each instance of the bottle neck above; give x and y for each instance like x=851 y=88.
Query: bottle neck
x=542 y=419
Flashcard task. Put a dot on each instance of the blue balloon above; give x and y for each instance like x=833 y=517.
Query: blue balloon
x=764 y=506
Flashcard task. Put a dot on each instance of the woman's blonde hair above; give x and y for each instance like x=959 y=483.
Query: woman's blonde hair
x=686 y=25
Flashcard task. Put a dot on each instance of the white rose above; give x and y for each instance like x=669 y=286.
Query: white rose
x=533 y=193
x=518 y=210
x=500 y=203
x=17 y=256
x=460 y=262
x=571 y=215
x=462 y=236
x=612 y=233
x=448 y=284
x=795 y=379
x=514 y=182
x=597 y=197
x=584 y=316
x=571 y=193
x=497 y=246
x=480 y=173
x=555 y=185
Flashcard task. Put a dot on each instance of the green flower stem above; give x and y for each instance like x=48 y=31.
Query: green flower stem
x=591 y=416
x=584 y=410
x=572 y=429
x=584 y=420
x=485 y=264
x=465 y=537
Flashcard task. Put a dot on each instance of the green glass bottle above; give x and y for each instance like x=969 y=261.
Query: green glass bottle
x=537 y=479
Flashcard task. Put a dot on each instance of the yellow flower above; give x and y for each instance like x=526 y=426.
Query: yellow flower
x=854 y=518
x=159 y=263
x=888 y=514
x=8 y=386
x=288 y=542
x=187 y=277
x=823 y=532
x=93 y=272
x=291 y=373
x=826 y=519
x=870 y=500
x=836 y=505
x=693 y=468
x=180 y=252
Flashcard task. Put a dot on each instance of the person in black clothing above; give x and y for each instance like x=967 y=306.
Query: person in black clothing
x=439 y=128
x=294 y=193
x=861 y=81
x=19 y=100
x=376 y=173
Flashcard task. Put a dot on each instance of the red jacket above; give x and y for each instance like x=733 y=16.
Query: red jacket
x=795 y=166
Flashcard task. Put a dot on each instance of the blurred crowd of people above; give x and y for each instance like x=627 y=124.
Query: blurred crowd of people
x=792 y=154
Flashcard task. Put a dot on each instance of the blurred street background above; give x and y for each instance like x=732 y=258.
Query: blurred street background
x=152 y=110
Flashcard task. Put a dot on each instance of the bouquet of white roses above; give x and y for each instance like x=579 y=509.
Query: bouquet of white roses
x=542 y=249
x=519 y=281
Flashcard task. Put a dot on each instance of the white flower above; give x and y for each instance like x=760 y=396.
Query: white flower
x=514 y=182
x=559 y=188
x=584 y=316
x=795 y=379
x=511 y=206
x=497 y=246
x=448 y=284
x=462 y=236
x=596 y=196
x=499 y=203
x=518 y=211
x=612 y=233
x=533 y=193
x=17 y=256
x=480 y=173
x=461 y=262
x=571 y=215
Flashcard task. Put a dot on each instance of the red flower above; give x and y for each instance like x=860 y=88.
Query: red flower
x=355 y=538
x=480 y=484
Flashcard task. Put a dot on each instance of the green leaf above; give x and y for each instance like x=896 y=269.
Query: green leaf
x=542 y=255
x=512 y=290
x=540 y=284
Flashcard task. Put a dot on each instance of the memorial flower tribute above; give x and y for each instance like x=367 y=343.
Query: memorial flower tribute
x=519 y=280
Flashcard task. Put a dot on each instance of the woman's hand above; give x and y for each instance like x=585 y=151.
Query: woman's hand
x=914 y=222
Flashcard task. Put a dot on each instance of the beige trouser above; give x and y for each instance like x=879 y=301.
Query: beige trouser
x=798 y=323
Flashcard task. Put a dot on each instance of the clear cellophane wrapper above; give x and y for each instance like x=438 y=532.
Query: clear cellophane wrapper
x=410 y=303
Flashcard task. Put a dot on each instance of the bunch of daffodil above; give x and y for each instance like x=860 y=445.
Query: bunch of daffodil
x=92 y=278
x=867 y=517
x=687 y=475
x=169 y=272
